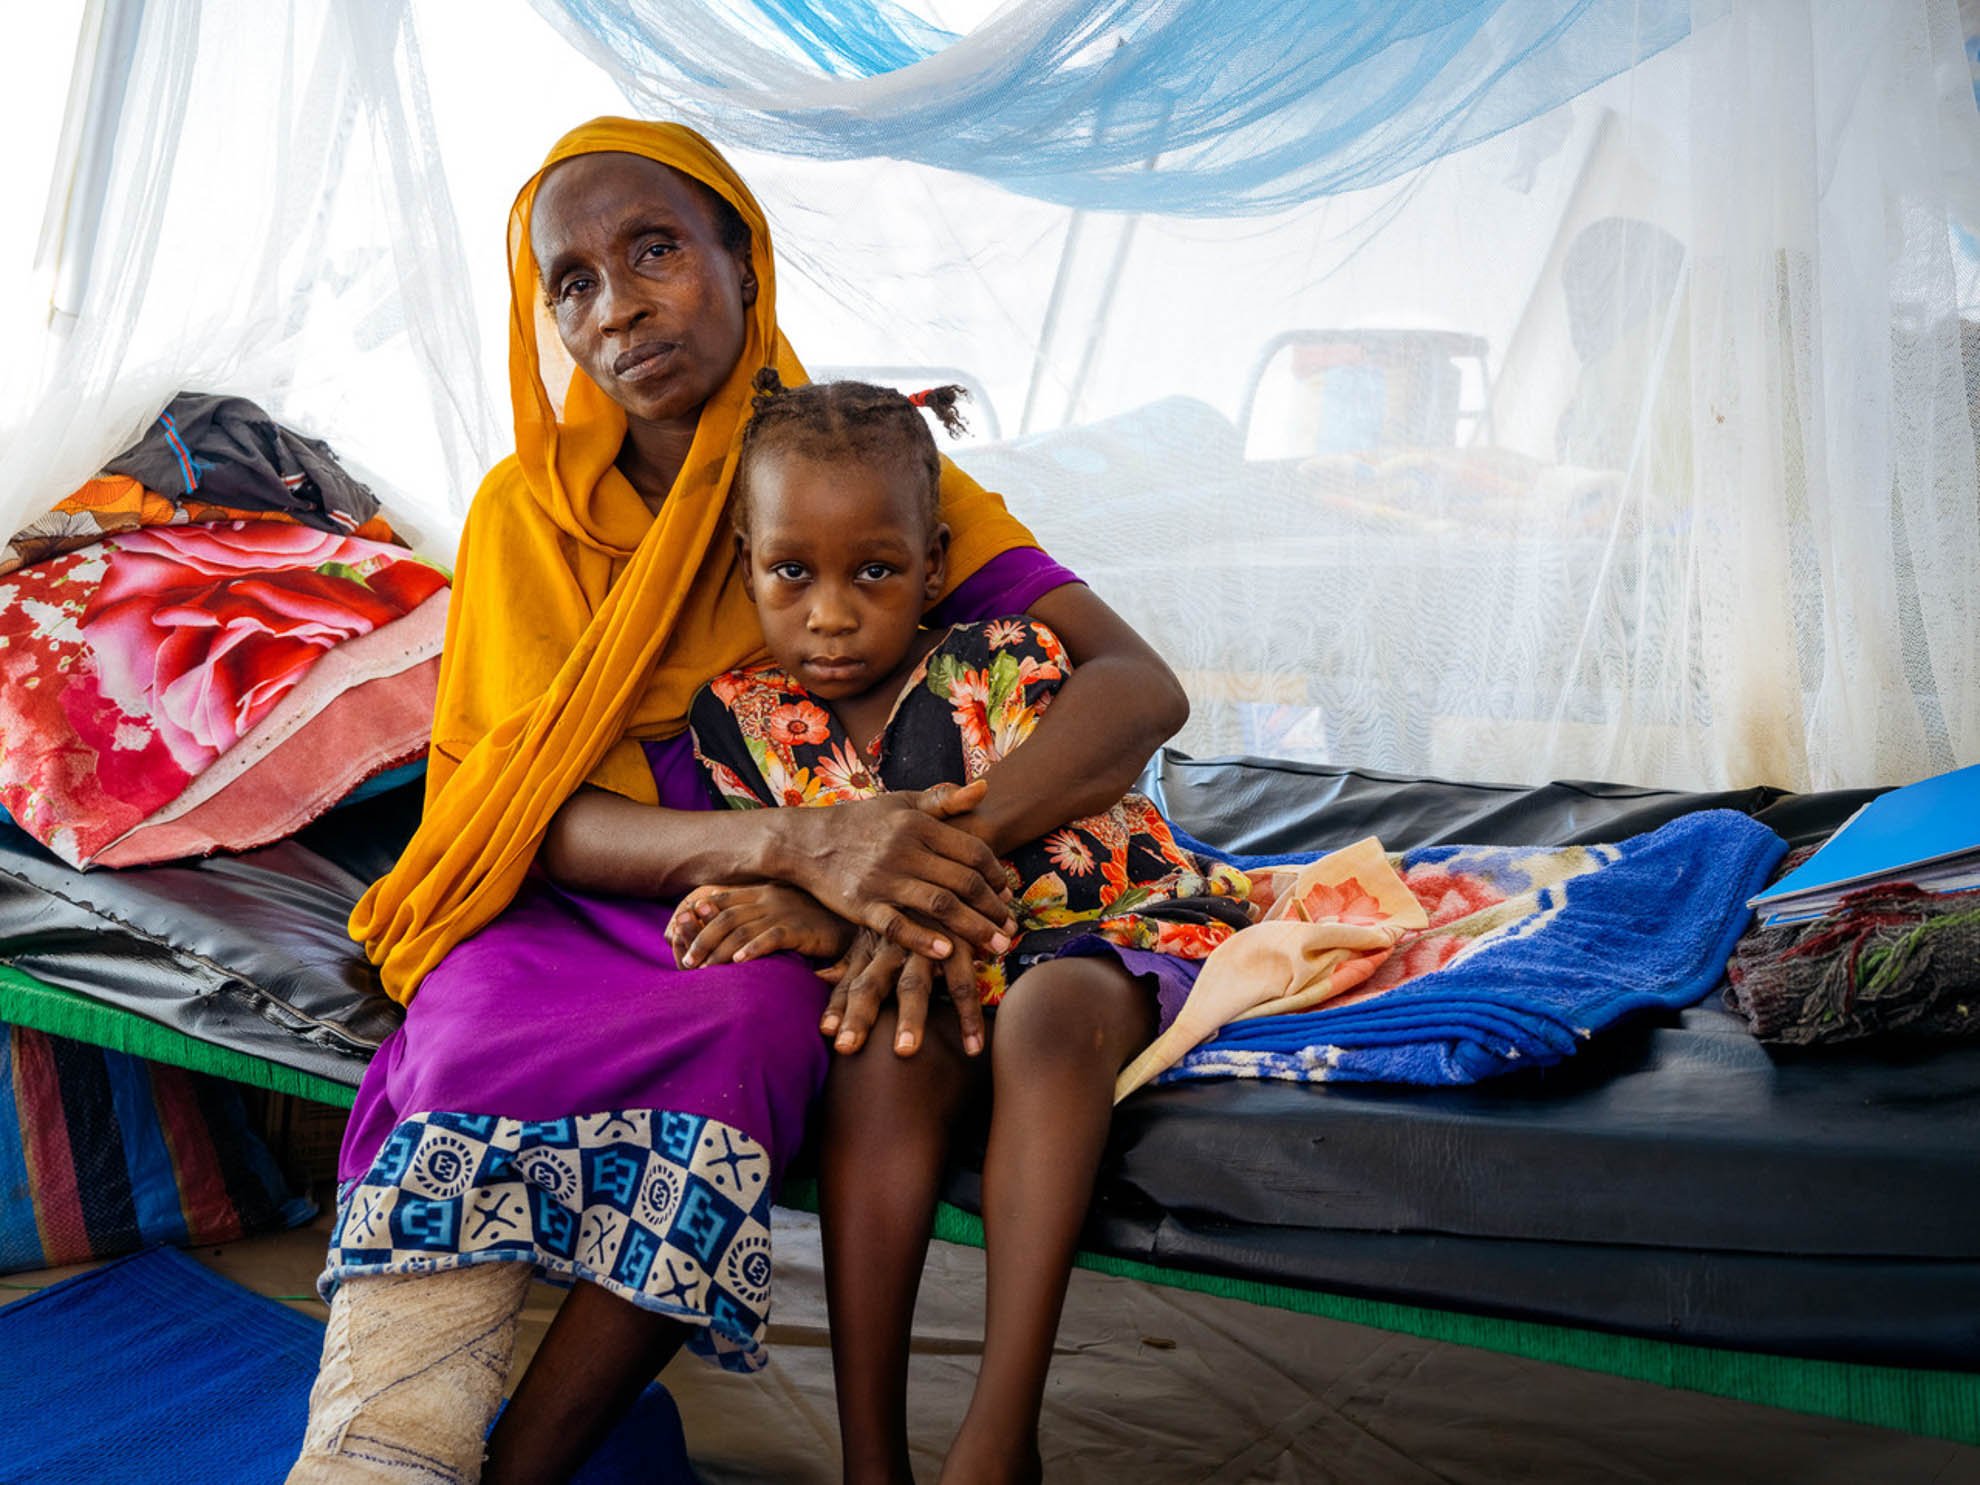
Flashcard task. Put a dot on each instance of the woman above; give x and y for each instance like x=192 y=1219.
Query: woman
x=563 y=1099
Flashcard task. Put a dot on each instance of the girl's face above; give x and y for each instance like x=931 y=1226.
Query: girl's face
x=649 y=302
x=841 y=564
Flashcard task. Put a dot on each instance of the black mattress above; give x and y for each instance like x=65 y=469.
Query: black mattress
x=1675 y=1179
x=249 y=951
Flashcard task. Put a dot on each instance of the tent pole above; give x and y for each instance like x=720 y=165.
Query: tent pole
x=1055 y=303
x=1096 y=327
x=1052 y=307
x=81 y=205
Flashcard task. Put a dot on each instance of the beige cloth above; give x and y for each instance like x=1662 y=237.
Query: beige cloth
x=1326 y=927
x=413 y=1370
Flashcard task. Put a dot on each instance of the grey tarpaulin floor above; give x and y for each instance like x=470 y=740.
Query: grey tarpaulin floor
x=1159 y=1386
x=1156 y=1386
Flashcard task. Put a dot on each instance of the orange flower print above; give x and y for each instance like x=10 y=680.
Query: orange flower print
x=979 y=747
x=727 y=687
x=1448 y=895
x=1425 y=954
x=1190 y=940
x=787 y=785
x=1109 y=828
x=798 y=723
x=841 y=772
x=969 y=697
x=1002 y=634
x=970 y=688
x=799 y=788
x=1227 y=881
x=991 y=981
x=1032 y=671
x=1113 y=871
x=105 y=492
x=1347 y=902
x=1130 y=931
x=729 y=784
x=1069 y=853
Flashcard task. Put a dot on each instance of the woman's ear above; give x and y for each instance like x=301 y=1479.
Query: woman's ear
x=936 y=574
x=747 y=278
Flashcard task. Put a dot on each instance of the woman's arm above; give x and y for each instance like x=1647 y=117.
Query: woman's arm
x=891 y=863
x=1118 y=706
x=600 y=842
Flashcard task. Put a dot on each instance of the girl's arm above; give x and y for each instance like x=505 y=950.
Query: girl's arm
x=891 y=863
x=1118 y=706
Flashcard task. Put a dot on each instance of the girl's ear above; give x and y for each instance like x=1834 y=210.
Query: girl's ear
x=748 y=571
x=937 y=572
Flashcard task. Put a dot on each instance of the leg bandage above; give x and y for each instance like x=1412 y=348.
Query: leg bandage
x=413 y=1369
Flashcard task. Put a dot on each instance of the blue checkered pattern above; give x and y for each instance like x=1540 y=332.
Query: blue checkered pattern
x=669 y=1210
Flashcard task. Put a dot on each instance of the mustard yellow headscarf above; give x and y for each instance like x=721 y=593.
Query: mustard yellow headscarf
x=580 y=623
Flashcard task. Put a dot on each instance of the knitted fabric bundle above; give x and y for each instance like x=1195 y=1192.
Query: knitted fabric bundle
x=1886 y=959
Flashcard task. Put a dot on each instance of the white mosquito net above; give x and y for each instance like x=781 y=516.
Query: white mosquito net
x=1506 y=389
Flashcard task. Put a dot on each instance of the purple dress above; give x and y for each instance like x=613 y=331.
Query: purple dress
x=563 y=1094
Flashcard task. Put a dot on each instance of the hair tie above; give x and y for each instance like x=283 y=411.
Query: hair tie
x=920 y=399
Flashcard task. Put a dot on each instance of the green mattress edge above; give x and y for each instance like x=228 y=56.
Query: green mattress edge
x=39 y=1006
x=1937 y=1404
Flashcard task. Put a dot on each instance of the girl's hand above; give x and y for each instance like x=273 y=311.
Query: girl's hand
x=891 y=864
x=724 y=925
x=874 y=968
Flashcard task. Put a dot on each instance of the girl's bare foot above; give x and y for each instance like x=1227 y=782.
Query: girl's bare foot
x=1000 y=1460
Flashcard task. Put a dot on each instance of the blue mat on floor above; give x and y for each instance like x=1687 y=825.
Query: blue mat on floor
x=154 y=1368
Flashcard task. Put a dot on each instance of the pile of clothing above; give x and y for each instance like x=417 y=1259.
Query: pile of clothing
x=209 y=644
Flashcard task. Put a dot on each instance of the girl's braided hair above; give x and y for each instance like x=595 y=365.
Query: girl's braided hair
x=845 y=418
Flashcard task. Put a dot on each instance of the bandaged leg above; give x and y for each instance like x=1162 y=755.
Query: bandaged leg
x=413 y=1369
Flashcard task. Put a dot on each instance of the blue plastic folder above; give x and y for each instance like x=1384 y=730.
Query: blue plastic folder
x=1927 y=832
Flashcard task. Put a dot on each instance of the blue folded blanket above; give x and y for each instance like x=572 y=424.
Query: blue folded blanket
x=1539 y=949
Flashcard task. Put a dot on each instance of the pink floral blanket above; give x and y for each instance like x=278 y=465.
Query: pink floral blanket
x=128 y=667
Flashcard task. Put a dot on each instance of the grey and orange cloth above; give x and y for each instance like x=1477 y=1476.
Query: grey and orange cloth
x=227 y=451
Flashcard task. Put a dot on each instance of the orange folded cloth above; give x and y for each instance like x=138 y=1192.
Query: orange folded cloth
x=114 y=503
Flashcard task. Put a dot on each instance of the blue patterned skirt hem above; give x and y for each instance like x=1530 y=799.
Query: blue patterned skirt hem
x=670 y=1211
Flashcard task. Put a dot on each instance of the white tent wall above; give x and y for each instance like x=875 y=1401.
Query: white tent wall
x=274 y=222
x=1632 y=442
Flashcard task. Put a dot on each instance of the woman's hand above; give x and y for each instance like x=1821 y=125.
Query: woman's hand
x=874 y=968
x=894 y=866
x=727 y=925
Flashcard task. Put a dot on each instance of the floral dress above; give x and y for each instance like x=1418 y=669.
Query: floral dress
x=1115 y=879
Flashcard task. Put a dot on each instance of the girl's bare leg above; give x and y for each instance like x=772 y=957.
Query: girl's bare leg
x=1063 y=1032
x=887 y=1122
x=595 y=1360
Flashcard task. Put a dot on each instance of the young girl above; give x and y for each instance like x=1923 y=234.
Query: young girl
x=842 y=551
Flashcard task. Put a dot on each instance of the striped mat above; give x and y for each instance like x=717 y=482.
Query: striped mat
x=102 y=1153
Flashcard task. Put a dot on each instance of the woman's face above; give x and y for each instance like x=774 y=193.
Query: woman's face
x=649 y=301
